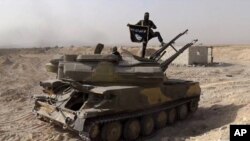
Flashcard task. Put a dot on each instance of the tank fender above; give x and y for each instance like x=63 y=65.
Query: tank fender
x=79 y=124
x=52 y=83
x=108 y=89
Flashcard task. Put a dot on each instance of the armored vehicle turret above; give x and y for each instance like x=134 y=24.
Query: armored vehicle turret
x=111 y=97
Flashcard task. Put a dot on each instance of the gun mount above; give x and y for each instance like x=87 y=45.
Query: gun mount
x=164 y=65
x=159 y=52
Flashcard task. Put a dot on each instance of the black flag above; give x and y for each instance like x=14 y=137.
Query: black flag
x=138 y=33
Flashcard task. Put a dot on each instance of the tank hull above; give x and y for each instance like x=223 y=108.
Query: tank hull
x=116 y=104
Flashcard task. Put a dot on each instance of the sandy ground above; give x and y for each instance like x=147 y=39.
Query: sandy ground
x=225 y=96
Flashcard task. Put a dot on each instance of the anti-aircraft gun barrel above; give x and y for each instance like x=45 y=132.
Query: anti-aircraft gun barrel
x=158 y=52
x=164 y=65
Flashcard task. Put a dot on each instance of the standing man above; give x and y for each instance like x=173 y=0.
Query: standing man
x=152 y=34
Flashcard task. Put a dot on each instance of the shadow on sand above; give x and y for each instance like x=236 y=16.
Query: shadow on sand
x=204 y=120
x=67 y=134
x=219 y=64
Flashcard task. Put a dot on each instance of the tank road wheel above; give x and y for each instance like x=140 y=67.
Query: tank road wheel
x=132 y=129
x=94 y=131
x=161 y=119
x=112 y=131
x=193 y=105
x=147 y=125
x=172 y=116
x=182 y=111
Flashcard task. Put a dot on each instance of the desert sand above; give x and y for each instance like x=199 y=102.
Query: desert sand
x=225 y=95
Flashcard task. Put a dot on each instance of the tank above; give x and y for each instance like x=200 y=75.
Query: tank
x=111 y=97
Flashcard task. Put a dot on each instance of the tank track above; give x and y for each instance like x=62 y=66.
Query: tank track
x=121 y=117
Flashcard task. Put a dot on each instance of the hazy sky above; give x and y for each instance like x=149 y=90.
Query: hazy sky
x=84 y=22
